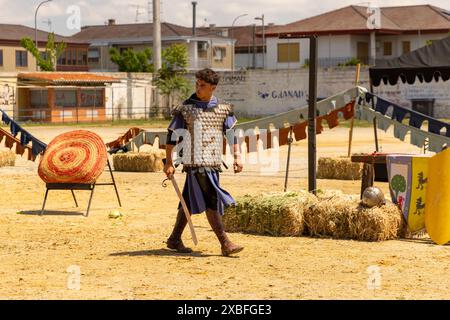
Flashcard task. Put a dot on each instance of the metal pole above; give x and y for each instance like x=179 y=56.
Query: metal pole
x=35 y=27
x=312 y=102
x=263 y=39
x=157 y=48
x=112 y=104
x=254 y=46
x=194 y=18
x=231 y=35
x=145 y=103
x=264 y=43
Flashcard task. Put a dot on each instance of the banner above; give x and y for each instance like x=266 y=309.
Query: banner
x=408 y=177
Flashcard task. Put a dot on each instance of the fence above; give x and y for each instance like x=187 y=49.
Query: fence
x=81 y=104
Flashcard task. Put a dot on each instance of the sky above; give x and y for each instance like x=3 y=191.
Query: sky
x=61 y=16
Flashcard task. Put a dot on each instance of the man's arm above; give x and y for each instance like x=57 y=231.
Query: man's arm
x=237 y=164
x=169 y=170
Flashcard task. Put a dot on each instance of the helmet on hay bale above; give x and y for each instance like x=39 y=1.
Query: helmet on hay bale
x=373 y=197
x=73 y=157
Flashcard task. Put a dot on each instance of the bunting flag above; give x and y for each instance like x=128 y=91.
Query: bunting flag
x=329 y=109
x=22 y=144
x=20 y=149
x=436 y=141
x=416 y=119
x=115 y=145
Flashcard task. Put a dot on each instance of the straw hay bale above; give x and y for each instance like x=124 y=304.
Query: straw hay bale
x=138 y=162
x=276 y=214
x=341 y=168
x=330 y=214
x=7 y=159
x=342 y=217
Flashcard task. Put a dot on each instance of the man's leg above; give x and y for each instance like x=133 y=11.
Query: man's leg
x=174 y=241
x=215 y=220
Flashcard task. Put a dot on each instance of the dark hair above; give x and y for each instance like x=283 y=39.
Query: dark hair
x=208 y=75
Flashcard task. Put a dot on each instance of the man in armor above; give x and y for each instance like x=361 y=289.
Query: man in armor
x=199 y=125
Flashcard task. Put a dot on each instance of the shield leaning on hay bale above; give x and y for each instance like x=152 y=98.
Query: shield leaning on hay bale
x=341 y=168
x=7 y=159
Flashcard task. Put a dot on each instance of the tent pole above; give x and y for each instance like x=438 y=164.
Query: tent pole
x=312 y=111
x=352 y=120
x=374 y=120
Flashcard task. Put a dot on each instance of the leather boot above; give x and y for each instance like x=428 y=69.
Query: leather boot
x=215 y=220
x=174 y=242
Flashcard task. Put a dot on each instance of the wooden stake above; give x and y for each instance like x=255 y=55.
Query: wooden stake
x=352 y=120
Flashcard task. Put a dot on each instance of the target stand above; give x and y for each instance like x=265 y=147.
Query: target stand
x=80 y=186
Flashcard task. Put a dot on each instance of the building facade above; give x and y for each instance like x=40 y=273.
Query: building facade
x=204 y=49
x=62 y=97
x=346 y=35
x=15 y=58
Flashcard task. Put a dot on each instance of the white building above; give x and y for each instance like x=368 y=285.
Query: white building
x=205 y=50
x=356 y=32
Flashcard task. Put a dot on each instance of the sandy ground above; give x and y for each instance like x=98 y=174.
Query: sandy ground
x=126 y=258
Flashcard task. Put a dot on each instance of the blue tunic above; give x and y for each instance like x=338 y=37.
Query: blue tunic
x=202 y=188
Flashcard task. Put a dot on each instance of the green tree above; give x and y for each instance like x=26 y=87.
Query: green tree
x=170 y=79
x=398 y=184
x=53 y=51
x=132 y=61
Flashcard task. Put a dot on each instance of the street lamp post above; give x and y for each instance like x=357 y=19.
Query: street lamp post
x=263 y=39
x=35 y=25
x=232 y=34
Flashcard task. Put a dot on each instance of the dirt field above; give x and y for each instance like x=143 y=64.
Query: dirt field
x=126 y=258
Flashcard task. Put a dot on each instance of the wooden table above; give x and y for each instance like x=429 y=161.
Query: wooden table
x=373 y=164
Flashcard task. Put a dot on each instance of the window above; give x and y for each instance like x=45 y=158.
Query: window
x=288 y=52
x=62 y=58
x=91 y=98
x=202 y=49
x=219 y=53
x=73 y=56
x=43 y=55
x=1 y=58
x=387 y=48
x=38 y=98
x=406 y=46
x=68 y=56
x=93 y=55
x=81 y=57
x=21 y=58
x=65 y=98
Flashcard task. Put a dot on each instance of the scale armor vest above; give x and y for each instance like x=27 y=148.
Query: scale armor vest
x=207 y=149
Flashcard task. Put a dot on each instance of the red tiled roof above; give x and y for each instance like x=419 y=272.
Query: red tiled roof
x=133 y=31
x=15 y=32
x=66 y=78
x=354 y=19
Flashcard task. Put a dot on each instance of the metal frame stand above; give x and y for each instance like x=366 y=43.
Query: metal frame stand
x=80 y=186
